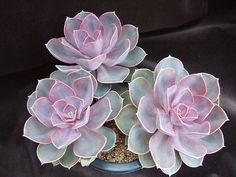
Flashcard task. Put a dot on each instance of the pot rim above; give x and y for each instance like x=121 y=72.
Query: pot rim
x=116 y=168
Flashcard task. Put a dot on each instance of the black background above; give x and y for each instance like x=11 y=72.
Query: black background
x=201 y=33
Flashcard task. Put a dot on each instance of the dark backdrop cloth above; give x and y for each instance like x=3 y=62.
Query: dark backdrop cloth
x=201 y=34
x=26 y=25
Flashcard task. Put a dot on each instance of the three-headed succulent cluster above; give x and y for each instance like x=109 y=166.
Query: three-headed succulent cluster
x=169 y=116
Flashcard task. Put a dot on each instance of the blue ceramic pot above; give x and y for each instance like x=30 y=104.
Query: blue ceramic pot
x=116 y=168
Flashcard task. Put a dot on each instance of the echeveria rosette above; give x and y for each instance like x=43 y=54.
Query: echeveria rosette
x=172 y=117
x=66 y=122
x=99 y=44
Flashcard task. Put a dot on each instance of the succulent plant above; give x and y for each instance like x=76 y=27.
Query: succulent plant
x=67 y=122
x=172 y=117
x=169 y=115
x=101 y=45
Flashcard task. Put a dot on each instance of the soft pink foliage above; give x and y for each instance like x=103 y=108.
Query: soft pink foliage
x=99 y=43
x=63 y=114
x=179 y=113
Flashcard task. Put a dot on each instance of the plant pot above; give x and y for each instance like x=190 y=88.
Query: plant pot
x=116 y=168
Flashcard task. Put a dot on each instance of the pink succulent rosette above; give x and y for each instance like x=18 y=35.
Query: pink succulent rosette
x=99 y=44
x=65 y=121
x=173 y=117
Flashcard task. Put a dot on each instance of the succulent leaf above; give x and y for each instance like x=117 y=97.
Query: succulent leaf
x=92 y=64
x=129 y=32
x=118 y=54
x=217 y=117
x=134 y=57
x=213 y=142
x=189 y=146
x=126 y=119
x=61 y=138
x=138 y=88
x=60 y=91
x=147 y=115
x=86 y=140
x=114 y=74
x=84 y=89
x=138 y=140
x=126 y=98
x=110 y=135
x=171 y=62
x=212 y=86
x=59 y=75
x=162 y=152
x=47 y=153
x=175 y=168
x=56 y=163
x=69 y=159
x=69 y=68
x=190 y=161
x=86 y=161
x=146 y=160
x=63 y=52
x=36 y=131
x=102 y=90
x=144 y=73
x=99 y=114
x=116 y=104
x=43 y=110
x=164 y=80
x=31 y=99
x=43 y=87
x=195 y=83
